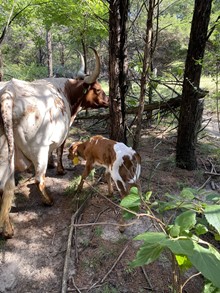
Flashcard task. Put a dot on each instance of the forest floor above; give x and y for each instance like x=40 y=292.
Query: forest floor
x=40 y=259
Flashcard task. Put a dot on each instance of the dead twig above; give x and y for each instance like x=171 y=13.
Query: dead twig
x=146 y=277
x=111 y=269
x=74 y=284
x=69 y=242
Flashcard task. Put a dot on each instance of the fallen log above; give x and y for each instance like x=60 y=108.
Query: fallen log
x=166 y=105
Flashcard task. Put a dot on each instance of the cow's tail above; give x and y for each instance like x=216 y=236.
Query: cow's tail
x=6 y=107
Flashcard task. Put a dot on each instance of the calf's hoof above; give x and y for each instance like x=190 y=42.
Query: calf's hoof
x=61 y=172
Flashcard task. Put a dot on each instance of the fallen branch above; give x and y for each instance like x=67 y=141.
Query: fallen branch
x=212 y=173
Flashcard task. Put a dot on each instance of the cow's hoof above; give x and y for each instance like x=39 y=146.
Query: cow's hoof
x=7 y=232
x=48 y=201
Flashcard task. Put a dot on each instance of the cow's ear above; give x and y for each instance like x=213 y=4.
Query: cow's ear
x=86 y=88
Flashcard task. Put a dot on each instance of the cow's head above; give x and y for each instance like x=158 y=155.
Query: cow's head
x=93 y=94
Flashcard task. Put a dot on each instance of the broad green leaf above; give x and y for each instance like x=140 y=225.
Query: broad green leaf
x=151 y=237
x=179 y=245
x=183 y=262
x=212 y=214
x=132 y=200
x=207 y=261
x=187 y=193
x=186 y=220
x=147 y=254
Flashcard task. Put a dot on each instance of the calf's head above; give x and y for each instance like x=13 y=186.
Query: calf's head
x=77 y=150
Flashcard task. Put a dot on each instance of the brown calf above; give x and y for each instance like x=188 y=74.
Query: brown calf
x=122 y=163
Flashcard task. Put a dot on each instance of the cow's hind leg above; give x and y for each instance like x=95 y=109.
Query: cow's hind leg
x=60 y=168
x=40 y=171
x=7 y=197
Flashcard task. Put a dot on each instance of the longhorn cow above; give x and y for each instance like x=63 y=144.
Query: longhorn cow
x=34 y=120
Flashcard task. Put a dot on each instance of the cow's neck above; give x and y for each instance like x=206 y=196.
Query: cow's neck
x=75 y=90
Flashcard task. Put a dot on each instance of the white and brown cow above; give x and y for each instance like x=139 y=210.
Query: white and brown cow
x=34 y=120
x=122 y=163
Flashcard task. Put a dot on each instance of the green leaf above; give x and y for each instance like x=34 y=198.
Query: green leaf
x=132 y=200
x=186 y=220
x=213 y=197
x=200 y=229
x=175 y=231
x=179 y=245
x=134 y=190
x=148 y=195
x=212 y=214
x=217 y=237
x=147 y=254
x=151 y=237
x=183 y=262
x=207 y=261
x=209 y=288
x=187 y=193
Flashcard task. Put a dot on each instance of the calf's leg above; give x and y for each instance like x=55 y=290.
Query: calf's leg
x=85 y=174
x=109 y=182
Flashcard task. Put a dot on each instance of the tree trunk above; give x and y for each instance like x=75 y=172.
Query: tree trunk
x=118 y=67
x=191 y=107
x=1 y=65
x=145 y=71
x=49 y=52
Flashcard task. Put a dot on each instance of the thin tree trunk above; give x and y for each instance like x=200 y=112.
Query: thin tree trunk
x=49 y=52
x=191 y=107
x=118 y=67
x=145 y=71
x=1 y=65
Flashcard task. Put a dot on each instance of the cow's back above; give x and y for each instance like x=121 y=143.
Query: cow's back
x=41 y=117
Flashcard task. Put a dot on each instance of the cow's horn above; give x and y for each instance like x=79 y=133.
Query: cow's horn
x=81 y=73
x=92 y=77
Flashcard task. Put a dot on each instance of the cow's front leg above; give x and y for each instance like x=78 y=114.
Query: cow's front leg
x=6 y=227
x=60 y=168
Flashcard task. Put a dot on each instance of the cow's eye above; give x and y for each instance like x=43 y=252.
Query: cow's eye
x=97 y=91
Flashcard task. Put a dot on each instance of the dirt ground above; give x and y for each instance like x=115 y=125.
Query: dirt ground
x=43 y=256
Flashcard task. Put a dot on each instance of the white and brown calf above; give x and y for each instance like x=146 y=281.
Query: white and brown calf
x=121 y=162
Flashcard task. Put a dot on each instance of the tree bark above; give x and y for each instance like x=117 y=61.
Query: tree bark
x=191 y=107
x=118 y=67
x=1 y=65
